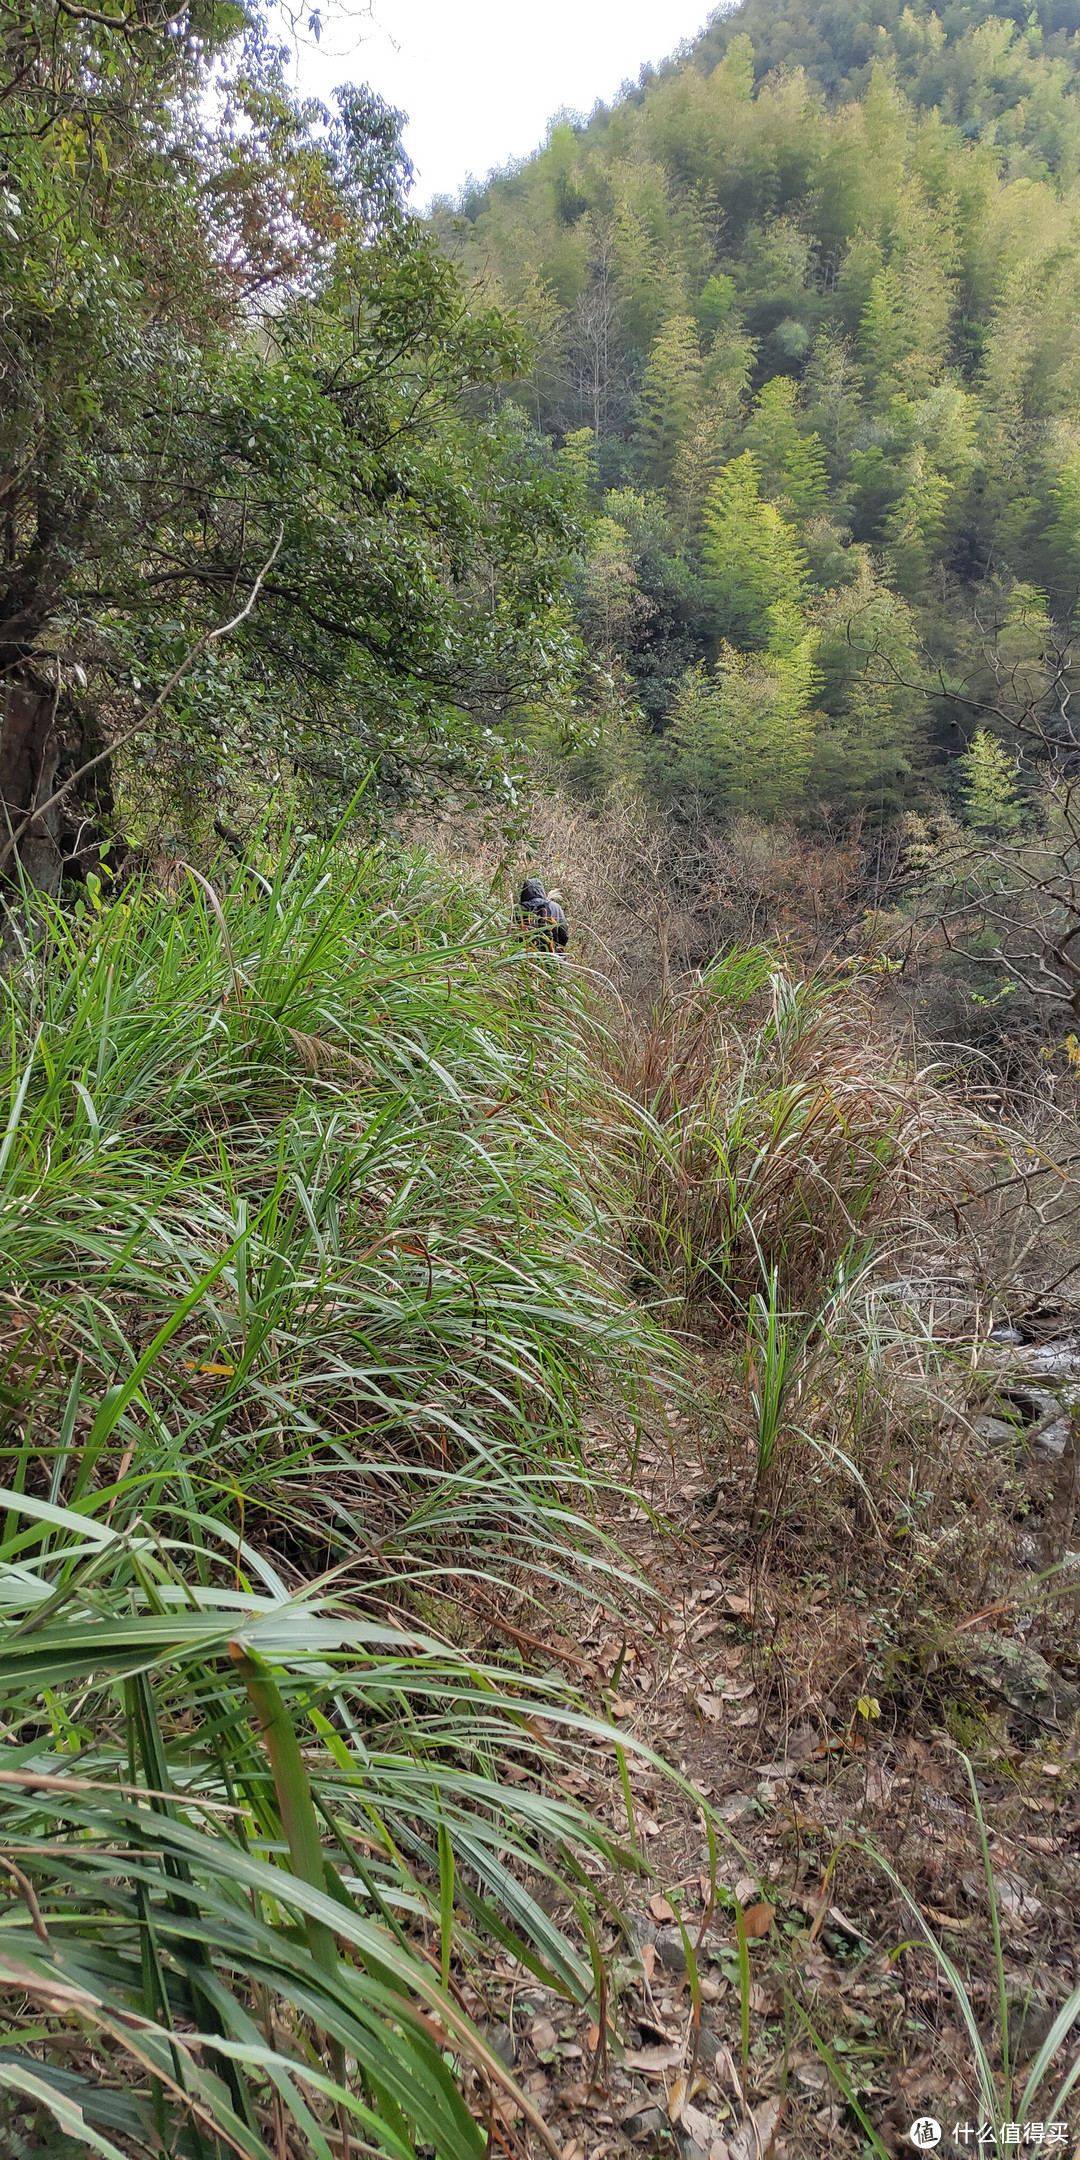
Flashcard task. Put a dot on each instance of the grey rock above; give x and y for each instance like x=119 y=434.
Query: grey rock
x=1050 y=1360
x=1021 y=1674
x=648 y=2122
x=1049 y=1440
x=1010 y=1337
x=502 y=2043
x=671 y=1950
x=1032 y=1405
x=996 y=1431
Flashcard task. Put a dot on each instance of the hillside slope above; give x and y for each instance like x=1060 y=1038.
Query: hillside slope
x=802 y=308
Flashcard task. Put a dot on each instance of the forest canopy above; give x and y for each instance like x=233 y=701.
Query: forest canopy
x=802 y=307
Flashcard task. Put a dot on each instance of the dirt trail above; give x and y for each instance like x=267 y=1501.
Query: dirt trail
x=796 y=1775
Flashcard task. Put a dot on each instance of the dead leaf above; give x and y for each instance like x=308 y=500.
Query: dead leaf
x=660 y=1909
x=879 y=1784
x=735 y=1604
x=847 y=1927
x=745 y=1887
x=719 y=2149
x=698 y=2126
x=684 y=2090
x=653 y=2061
x=762 y=2001
x=648 y=1959
x=757 y=1920
x=757 y=2137
x=710 y=1706
x=739 y=1694
x=543 y=2035
x=580 y=2095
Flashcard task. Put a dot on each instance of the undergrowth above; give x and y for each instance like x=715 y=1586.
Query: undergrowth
x=333 y=1220
x=307 y=1274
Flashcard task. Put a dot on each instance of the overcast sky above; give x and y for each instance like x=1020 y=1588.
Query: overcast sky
x=480 y=79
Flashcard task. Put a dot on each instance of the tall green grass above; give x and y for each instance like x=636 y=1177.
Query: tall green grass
x=307 y=1271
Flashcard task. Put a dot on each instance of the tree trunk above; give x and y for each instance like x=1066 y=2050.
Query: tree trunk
x=31 y=747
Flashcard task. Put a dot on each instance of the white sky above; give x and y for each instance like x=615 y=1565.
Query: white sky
x=480 y=79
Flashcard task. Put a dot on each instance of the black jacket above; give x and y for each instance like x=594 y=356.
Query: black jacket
x=542 y=920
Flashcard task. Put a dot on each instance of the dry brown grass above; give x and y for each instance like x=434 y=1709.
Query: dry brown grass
x=780 y=1134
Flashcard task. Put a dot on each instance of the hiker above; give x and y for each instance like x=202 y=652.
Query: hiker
x=541 y=918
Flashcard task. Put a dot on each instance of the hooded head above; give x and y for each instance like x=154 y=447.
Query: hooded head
x=531 y=892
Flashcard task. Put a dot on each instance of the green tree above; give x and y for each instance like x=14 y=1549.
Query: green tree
x=670 y=394
x=753 y=564
x=744 y=737
x=235 y=366
x=988 y=786
x=791 y=464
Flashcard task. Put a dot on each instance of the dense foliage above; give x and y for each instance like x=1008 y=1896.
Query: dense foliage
x=803 y=307
x=228 y=351
x=307 y=1274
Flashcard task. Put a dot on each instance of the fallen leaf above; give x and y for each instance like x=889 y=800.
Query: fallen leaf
x=226 y=1371
x=710 y=1706
x=684 y=2090
x=745 y=1717
x=697 y=2126
x=735 y=1604
x=847 y=1927
x=793 y=1819
x=660 y=1909
x=652 y=2061
x=580 y=2095
x=592 y=2039
x=757 y=1920
x=738 y=1694
x=648 y=1959
x=762 y=2001
x=719 y=2149
x=758 y=2134
x=543 y=2035
x=745 y=1887
x=879 y=1784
